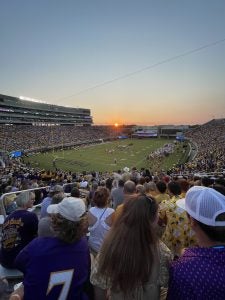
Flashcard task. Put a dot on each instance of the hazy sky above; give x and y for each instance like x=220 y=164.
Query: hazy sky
x=58 y=50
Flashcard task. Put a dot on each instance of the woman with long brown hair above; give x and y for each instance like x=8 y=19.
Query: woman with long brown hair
x=132 y=262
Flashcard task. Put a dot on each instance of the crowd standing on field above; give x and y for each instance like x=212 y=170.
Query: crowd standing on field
x=129 y=234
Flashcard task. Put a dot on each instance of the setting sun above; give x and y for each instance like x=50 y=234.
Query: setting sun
x=116 y=124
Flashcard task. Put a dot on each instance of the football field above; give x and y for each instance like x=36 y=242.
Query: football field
x=109 y=156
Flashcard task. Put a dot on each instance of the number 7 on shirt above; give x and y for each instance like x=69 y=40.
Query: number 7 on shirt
x=63 y=278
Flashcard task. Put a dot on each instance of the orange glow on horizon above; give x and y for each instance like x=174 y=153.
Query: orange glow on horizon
x=116 y=124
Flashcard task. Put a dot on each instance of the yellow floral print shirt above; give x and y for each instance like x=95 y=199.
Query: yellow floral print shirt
x=178 y=233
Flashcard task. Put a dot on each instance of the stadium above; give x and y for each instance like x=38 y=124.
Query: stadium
x=51 y=138
x=50 y=135
x=40 y=133
x=112 y=170
x=56 y=153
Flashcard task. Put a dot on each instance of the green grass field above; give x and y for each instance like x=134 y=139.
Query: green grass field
x=109 y=156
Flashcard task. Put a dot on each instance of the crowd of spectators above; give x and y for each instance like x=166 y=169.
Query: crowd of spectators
x=209 y=144
x=173 y=228
x=30 y=138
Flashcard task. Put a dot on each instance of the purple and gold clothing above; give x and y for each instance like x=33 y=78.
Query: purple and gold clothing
x=54 y=269
x=19 y=228
x=198 y=274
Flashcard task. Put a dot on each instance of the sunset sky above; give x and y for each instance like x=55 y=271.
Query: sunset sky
x=128 y=61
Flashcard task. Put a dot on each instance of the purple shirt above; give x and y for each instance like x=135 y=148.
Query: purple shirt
x=54 y=269
x=19 y=228
x=198 y=274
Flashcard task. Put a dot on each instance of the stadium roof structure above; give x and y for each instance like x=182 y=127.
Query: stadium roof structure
x=14 y=110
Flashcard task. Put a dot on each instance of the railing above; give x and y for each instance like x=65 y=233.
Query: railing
x=2 y=206
x=200 y=174
x=83 y=194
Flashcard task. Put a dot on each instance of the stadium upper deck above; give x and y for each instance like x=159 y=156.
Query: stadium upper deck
x=13 y=110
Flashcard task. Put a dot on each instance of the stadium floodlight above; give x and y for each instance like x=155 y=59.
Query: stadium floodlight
x=31 y=99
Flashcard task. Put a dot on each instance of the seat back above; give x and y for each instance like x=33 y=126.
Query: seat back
x=10 y=273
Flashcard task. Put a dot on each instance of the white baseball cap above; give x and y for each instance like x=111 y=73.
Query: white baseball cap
x=69 y=208
x=204 y=205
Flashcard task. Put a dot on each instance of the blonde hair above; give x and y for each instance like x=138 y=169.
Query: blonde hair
x=23 y=198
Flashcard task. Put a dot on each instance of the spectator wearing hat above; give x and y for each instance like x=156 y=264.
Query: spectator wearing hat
x=19 y=228
x=48 y=200
x=58 y=267
x=200 y=271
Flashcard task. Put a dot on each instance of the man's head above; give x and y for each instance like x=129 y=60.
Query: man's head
x=184 y=185
x=206 y=181
x=161 y=186
x=75 y=192
x=129 y=187
x=56 y=189
x=207 y=207
x=174 y=188
x=121 y=183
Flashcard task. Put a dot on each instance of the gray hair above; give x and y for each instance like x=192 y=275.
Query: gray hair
x=129 y=187
x=23 y=198
x=140 y=189
x=150 y=187
x=57 y=198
